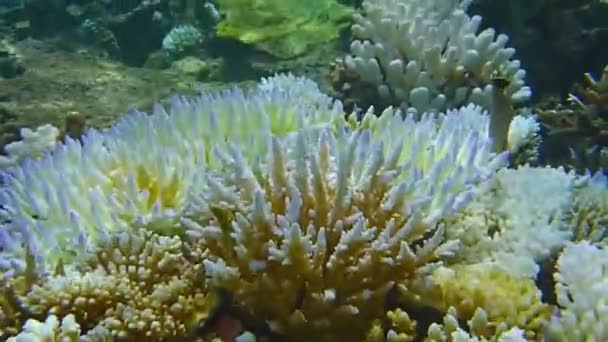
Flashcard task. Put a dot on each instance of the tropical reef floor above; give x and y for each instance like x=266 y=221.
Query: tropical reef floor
x=57 y=83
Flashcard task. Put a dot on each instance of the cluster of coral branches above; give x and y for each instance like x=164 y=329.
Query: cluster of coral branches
x=272 y=213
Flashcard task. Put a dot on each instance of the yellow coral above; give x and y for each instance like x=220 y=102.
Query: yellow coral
x=506 y=301
x=398 y=328
x=135 y=286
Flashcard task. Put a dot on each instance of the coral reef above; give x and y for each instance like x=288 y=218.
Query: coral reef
x=273 y=210
x=127 y=186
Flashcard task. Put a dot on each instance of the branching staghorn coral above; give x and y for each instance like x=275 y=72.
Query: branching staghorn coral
x=316 y=225
x=401 y=328
x=333 y=221
x=140 y=171
x=451 y=331
x=66 y=330
x=397 y=326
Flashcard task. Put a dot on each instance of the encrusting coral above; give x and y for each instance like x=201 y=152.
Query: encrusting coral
x=306 y=222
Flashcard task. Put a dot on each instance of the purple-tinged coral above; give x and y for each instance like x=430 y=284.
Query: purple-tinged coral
x=139 y=172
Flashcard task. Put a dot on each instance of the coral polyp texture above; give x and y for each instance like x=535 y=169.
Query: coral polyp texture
x=271 y=213
x=426 y=55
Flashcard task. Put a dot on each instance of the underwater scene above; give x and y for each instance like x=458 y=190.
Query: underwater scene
x=303 y=170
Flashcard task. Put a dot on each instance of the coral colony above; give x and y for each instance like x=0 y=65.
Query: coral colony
x=309 y=223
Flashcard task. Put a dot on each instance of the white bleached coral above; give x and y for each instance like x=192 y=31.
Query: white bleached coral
x=140 y=171
x=333 y=220
x=316 y=225
x=306 y=89
x=33 y=144
x=51 y=330
x=582 y=288
x=523 y=139
x=516 y=219
x=427 y=55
